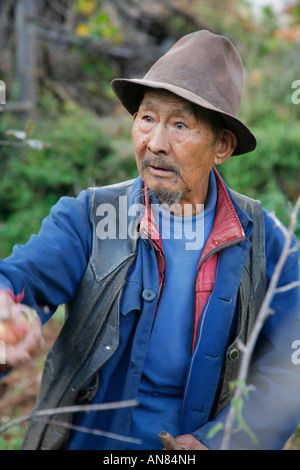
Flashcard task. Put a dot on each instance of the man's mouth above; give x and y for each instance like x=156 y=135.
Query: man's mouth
x=158 y=169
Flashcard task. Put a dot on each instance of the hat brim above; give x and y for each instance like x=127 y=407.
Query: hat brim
x=130 y=93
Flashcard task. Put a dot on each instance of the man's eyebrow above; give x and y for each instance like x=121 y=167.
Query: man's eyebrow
x=183 y=110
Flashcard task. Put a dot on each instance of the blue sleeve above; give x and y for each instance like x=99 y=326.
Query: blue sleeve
x=48 y=268
x=272 y=411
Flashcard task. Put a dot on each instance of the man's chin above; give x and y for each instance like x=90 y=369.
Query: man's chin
x=165 y=196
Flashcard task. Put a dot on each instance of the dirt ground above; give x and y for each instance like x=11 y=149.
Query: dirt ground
x=18 y=392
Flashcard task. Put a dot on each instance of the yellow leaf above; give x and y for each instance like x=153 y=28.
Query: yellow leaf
x=87 y=7
x=82 y=30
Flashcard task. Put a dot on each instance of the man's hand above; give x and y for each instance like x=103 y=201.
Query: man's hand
x=189 y=442
x=20 y=330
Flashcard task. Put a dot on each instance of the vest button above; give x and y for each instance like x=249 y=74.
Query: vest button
x=148 y=295
x=233 y=354
x=107 y=347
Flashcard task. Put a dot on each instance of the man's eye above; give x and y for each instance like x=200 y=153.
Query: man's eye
x=147 y=118
x=180 y=125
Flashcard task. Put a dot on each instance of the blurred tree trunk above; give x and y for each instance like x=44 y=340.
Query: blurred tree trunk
x=26 y=54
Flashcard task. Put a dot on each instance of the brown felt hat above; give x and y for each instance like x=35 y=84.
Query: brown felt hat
x=203 y=68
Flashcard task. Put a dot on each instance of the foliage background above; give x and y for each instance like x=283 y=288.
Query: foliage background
x=88 y=132
x=82 y=134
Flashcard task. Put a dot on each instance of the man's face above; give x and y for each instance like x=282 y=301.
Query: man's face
x=175 y=150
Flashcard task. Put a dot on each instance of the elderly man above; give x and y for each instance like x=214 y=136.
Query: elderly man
x=164 y=277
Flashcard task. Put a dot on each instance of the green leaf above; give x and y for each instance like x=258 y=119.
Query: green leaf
x=238 y=403
x=242 y=385
x=214 y=430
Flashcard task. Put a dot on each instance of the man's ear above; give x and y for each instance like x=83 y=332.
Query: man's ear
x=227 y=142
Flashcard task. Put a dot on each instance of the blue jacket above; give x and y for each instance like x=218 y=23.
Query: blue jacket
x=49 y=268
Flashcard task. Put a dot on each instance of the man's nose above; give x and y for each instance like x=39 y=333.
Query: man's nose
x=158 y=141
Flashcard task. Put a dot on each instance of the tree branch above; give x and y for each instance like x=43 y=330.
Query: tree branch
x=96 y=432
x=263 y=314
x=69 y=409
x=292 y=285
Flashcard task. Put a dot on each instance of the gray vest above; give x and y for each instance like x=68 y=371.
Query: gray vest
x=90 y=334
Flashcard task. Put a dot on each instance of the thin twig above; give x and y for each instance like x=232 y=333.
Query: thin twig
x=292 y=285
x=96 y=432
x=263 y=314
x=13 y=144
x=69 y=409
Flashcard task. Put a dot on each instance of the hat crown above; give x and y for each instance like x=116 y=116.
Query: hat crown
x=205 y=64
x=202 y=68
